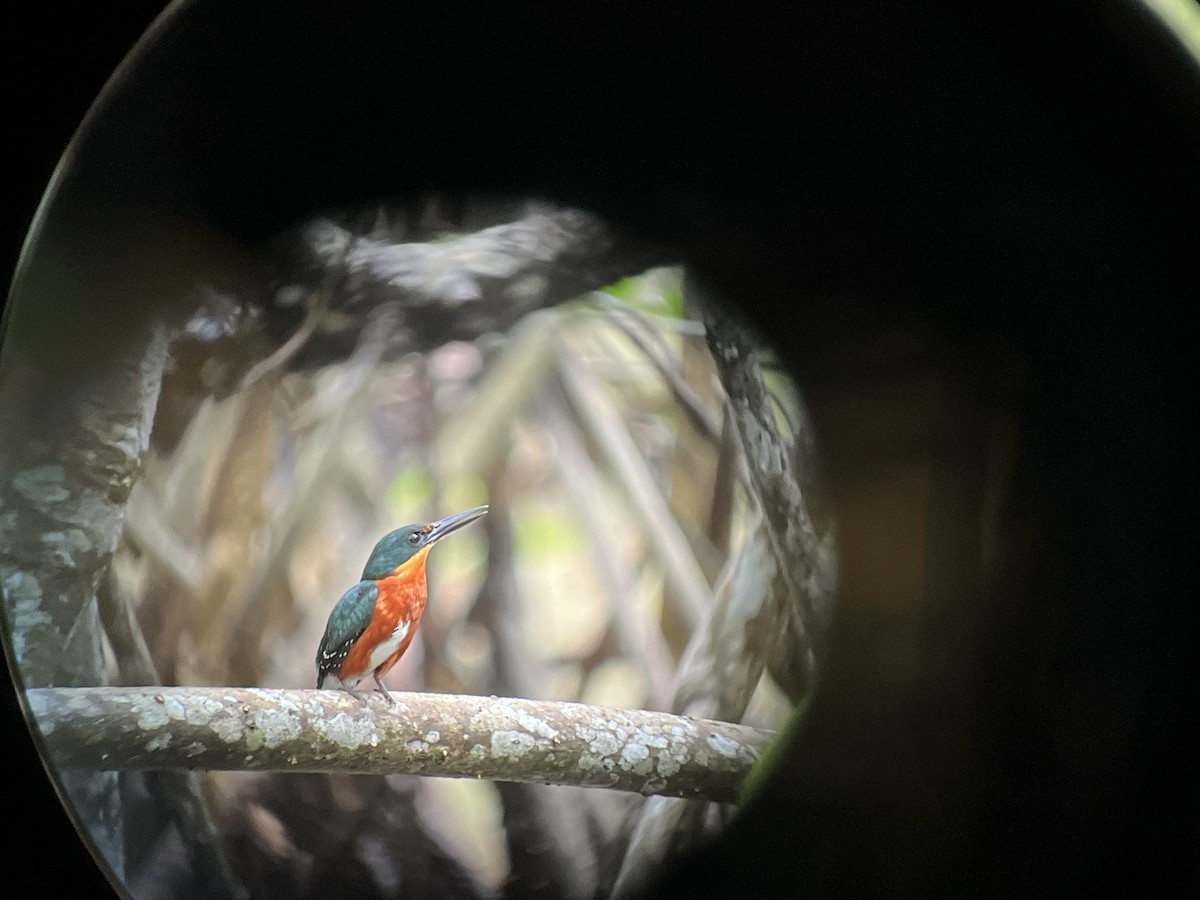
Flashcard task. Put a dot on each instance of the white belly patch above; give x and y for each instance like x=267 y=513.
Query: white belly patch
x=388 y=647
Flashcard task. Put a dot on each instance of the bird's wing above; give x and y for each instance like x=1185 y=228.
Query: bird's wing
x=350 y=617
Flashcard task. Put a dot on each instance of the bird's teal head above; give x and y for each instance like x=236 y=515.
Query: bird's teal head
x=412 y=542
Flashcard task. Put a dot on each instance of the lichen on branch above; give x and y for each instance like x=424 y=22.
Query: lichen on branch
x=447 y=735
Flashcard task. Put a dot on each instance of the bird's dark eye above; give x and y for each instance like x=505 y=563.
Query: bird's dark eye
x=414 y=538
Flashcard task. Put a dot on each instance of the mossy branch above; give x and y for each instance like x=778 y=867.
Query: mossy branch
x=444 y=735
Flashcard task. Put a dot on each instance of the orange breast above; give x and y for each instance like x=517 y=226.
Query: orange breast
x=400 y=605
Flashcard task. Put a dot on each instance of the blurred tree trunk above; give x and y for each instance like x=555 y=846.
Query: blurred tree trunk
x=69 y=460
x=781 y=459
x=102 y=286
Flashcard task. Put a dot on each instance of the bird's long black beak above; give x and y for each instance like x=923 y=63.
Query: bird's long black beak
x=451 y=524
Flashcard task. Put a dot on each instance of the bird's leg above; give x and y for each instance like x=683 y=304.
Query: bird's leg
x=383 y=690
x=361 y=698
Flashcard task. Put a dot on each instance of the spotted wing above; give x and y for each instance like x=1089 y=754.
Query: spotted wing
x=349 y=619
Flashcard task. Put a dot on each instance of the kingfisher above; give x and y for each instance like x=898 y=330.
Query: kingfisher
x=373 y=623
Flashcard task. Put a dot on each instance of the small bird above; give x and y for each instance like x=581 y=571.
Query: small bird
x=372 y=625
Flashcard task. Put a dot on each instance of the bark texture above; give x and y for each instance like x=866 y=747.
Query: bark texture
x=65 y=473
x=445 y=735
x=782 y=462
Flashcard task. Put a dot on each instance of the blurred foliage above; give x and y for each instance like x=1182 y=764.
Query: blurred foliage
x=410 y=492
x=659 y=292
x=543 y=534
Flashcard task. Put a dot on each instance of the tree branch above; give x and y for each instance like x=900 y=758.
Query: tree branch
x=443 y=735
x=634 y=325
x=784 y=481
x=637 y=628
x=716 y=677
x=182 y=793
x=603 y=425
x=454 y=289
x=773 y=598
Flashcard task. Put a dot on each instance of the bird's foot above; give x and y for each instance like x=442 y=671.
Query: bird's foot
x=383 y=690
x=361 y=698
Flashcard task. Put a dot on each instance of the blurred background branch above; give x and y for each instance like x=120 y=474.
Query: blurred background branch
x=781 y=457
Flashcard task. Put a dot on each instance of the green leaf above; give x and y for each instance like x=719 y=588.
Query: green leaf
x=772 y=756
x=624 y=289
x=658 y=292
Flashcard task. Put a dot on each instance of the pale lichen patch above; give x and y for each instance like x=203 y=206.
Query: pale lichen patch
x=202 y=711
x=511 y=744
x=636 y=758
x=417 y=747
x=152 y=716
x=650 y=740
x=312 y=708
x=159 y=742
x=668 y=764
x=347 y=731
x=253 y=736
x=228 y=728
x=64 y=545
x=21 y=587
x=433 y=737
x=42 y=485
x=727 y=747
x=93 y=511
x=24 y=595
x=604 y=744
x=529 y=722
x=175 y=709
x=278 y=726
x=38 y=708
